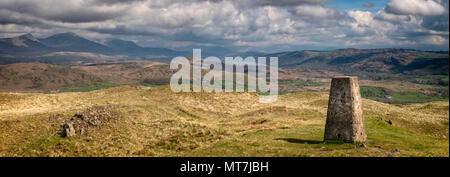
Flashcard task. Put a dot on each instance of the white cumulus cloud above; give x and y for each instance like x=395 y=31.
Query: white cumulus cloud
x=415 y=7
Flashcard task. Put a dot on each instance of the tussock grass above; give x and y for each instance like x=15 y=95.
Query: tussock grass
x=158 y=122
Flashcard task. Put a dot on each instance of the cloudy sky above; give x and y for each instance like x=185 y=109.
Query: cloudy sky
x=242 y=25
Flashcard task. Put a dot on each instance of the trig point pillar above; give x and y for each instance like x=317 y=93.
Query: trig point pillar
x=345 y=119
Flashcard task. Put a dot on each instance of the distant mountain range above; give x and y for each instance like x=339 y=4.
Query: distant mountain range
x=69 y=47
x=27 y=45
x=132 y=49
x=74 y=43
x=368 y=60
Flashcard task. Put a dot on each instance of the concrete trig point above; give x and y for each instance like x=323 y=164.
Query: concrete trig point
x=345 y=119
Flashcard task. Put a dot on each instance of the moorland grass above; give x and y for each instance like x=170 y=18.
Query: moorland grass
x=158 y=122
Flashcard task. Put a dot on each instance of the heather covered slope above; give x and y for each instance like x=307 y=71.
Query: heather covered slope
x=38 y=77
x=41 y=77
x=94 y=75
x=158 y=122
x=368 y=60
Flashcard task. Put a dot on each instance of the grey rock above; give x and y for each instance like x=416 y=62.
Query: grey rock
x=396 y=150
x=68 y=130
x=363 y=145
x=389 y=122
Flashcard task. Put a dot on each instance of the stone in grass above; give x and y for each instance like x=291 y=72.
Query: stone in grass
x=345 y=121
x=68 y=130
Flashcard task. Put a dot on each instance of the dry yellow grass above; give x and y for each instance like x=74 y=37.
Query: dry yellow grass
x=157 y=122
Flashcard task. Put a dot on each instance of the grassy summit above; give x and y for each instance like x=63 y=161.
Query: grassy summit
x=158 y=122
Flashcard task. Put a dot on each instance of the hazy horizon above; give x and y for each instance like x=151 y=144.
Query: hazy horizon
x=250 y=50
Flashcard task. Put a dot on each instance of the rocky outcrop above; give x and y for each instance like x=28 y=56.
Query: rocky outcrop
x=92 y=117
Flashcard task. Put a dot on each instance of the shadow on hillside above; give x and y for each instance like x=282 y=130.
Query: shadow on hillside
x=294 y=140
